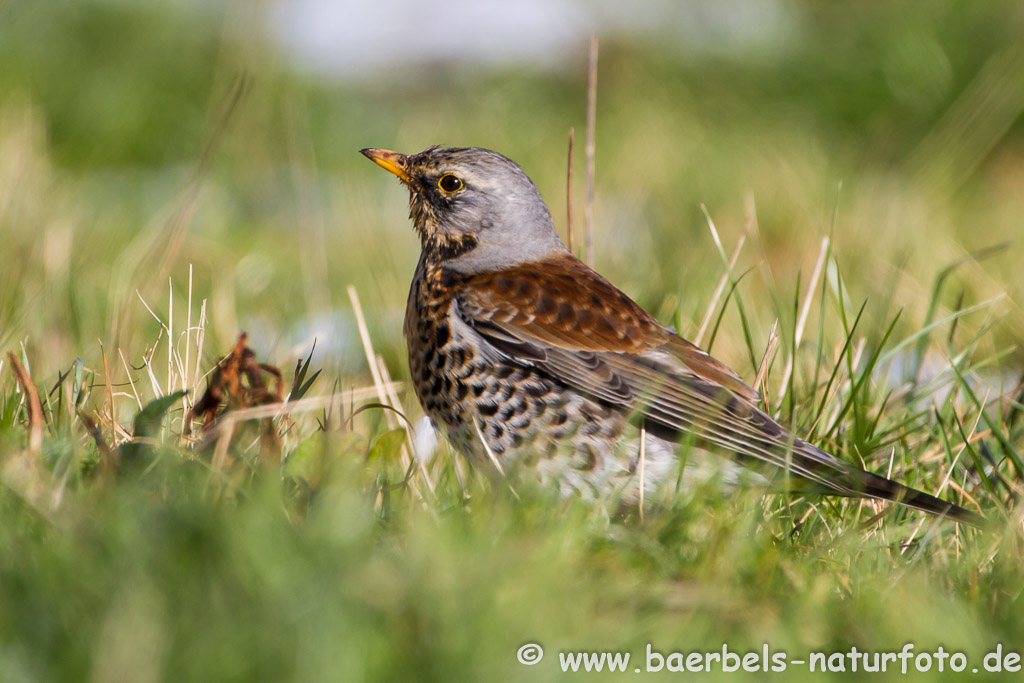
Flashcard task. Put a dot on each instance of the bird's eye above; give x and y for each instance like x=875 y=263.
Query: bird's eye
x=449 y=183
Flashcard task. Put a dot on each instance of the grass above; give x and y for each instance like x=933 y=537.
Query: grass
x=306 y=544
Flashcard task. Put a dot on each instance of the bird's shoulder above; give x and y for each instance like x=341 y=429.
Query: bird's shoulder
x=564 y=303
x=561 y=305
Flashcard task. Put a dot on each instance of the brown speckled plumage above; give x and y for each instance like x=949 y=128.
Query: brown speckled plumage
x=458 y=381
x=526 y=355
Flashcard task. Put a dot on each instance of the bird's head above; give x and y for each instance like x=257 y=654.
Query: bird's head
x=474 y=209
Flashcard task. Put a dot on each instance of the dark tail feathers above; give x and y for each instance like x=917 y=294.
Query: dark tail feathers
x=875 y=486
x=859 y=482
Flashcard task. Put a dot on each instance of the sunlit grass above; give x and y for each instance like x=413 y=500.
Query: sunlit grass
x=886 y=260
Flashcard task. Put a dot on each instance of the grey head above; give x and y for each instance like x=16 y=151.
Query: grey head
x=474 y=209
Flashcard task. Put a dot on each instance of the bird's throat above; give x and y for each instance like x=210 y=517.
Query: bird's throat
x=443 y=246
x=438 y=242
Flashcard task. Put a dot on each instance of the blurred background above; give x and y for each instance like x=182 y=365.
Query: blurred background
x=139 y=140
x=167 y=160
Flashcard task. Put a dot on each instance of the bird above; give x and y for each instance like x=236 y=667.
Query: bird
x=527 y=357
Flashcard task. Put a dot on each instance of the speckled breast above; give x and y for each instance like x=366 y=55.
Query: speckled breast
x=441 y=364
x=478 y=396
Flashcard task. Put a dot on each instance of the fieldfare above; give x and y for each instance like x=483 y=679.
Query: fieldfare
x=525 y=354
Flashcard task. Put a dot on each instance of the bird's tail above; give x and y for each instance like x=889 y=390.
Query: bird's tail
x=731 y=421
x=753 y=435
x=849 y=480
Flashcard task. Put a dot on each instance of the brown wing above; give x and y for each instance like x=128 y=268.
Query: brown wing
x=563 y=317
x=563 y=304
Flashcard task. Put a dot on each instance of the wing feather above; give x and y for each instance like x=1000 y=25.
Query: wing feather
x=565 y=318
x=562 y=317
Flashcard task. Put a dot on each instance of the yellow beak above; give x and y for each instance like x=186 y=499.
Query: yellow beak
x=389 y=161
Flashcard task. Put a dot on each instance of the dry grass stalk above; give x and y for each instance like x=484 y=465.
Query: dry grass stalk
x=569 y=230
x=640 y=466
x=724 y=279
x=805 y=310
x=108 y=383
x=393 y=398
x=34 y=407
x=127 y=370
x=378 y=381
x=588 y=208
x=769 y=354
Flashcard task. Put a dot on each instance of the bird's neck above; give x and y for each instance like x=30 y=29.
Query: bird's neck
x=438 y=247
